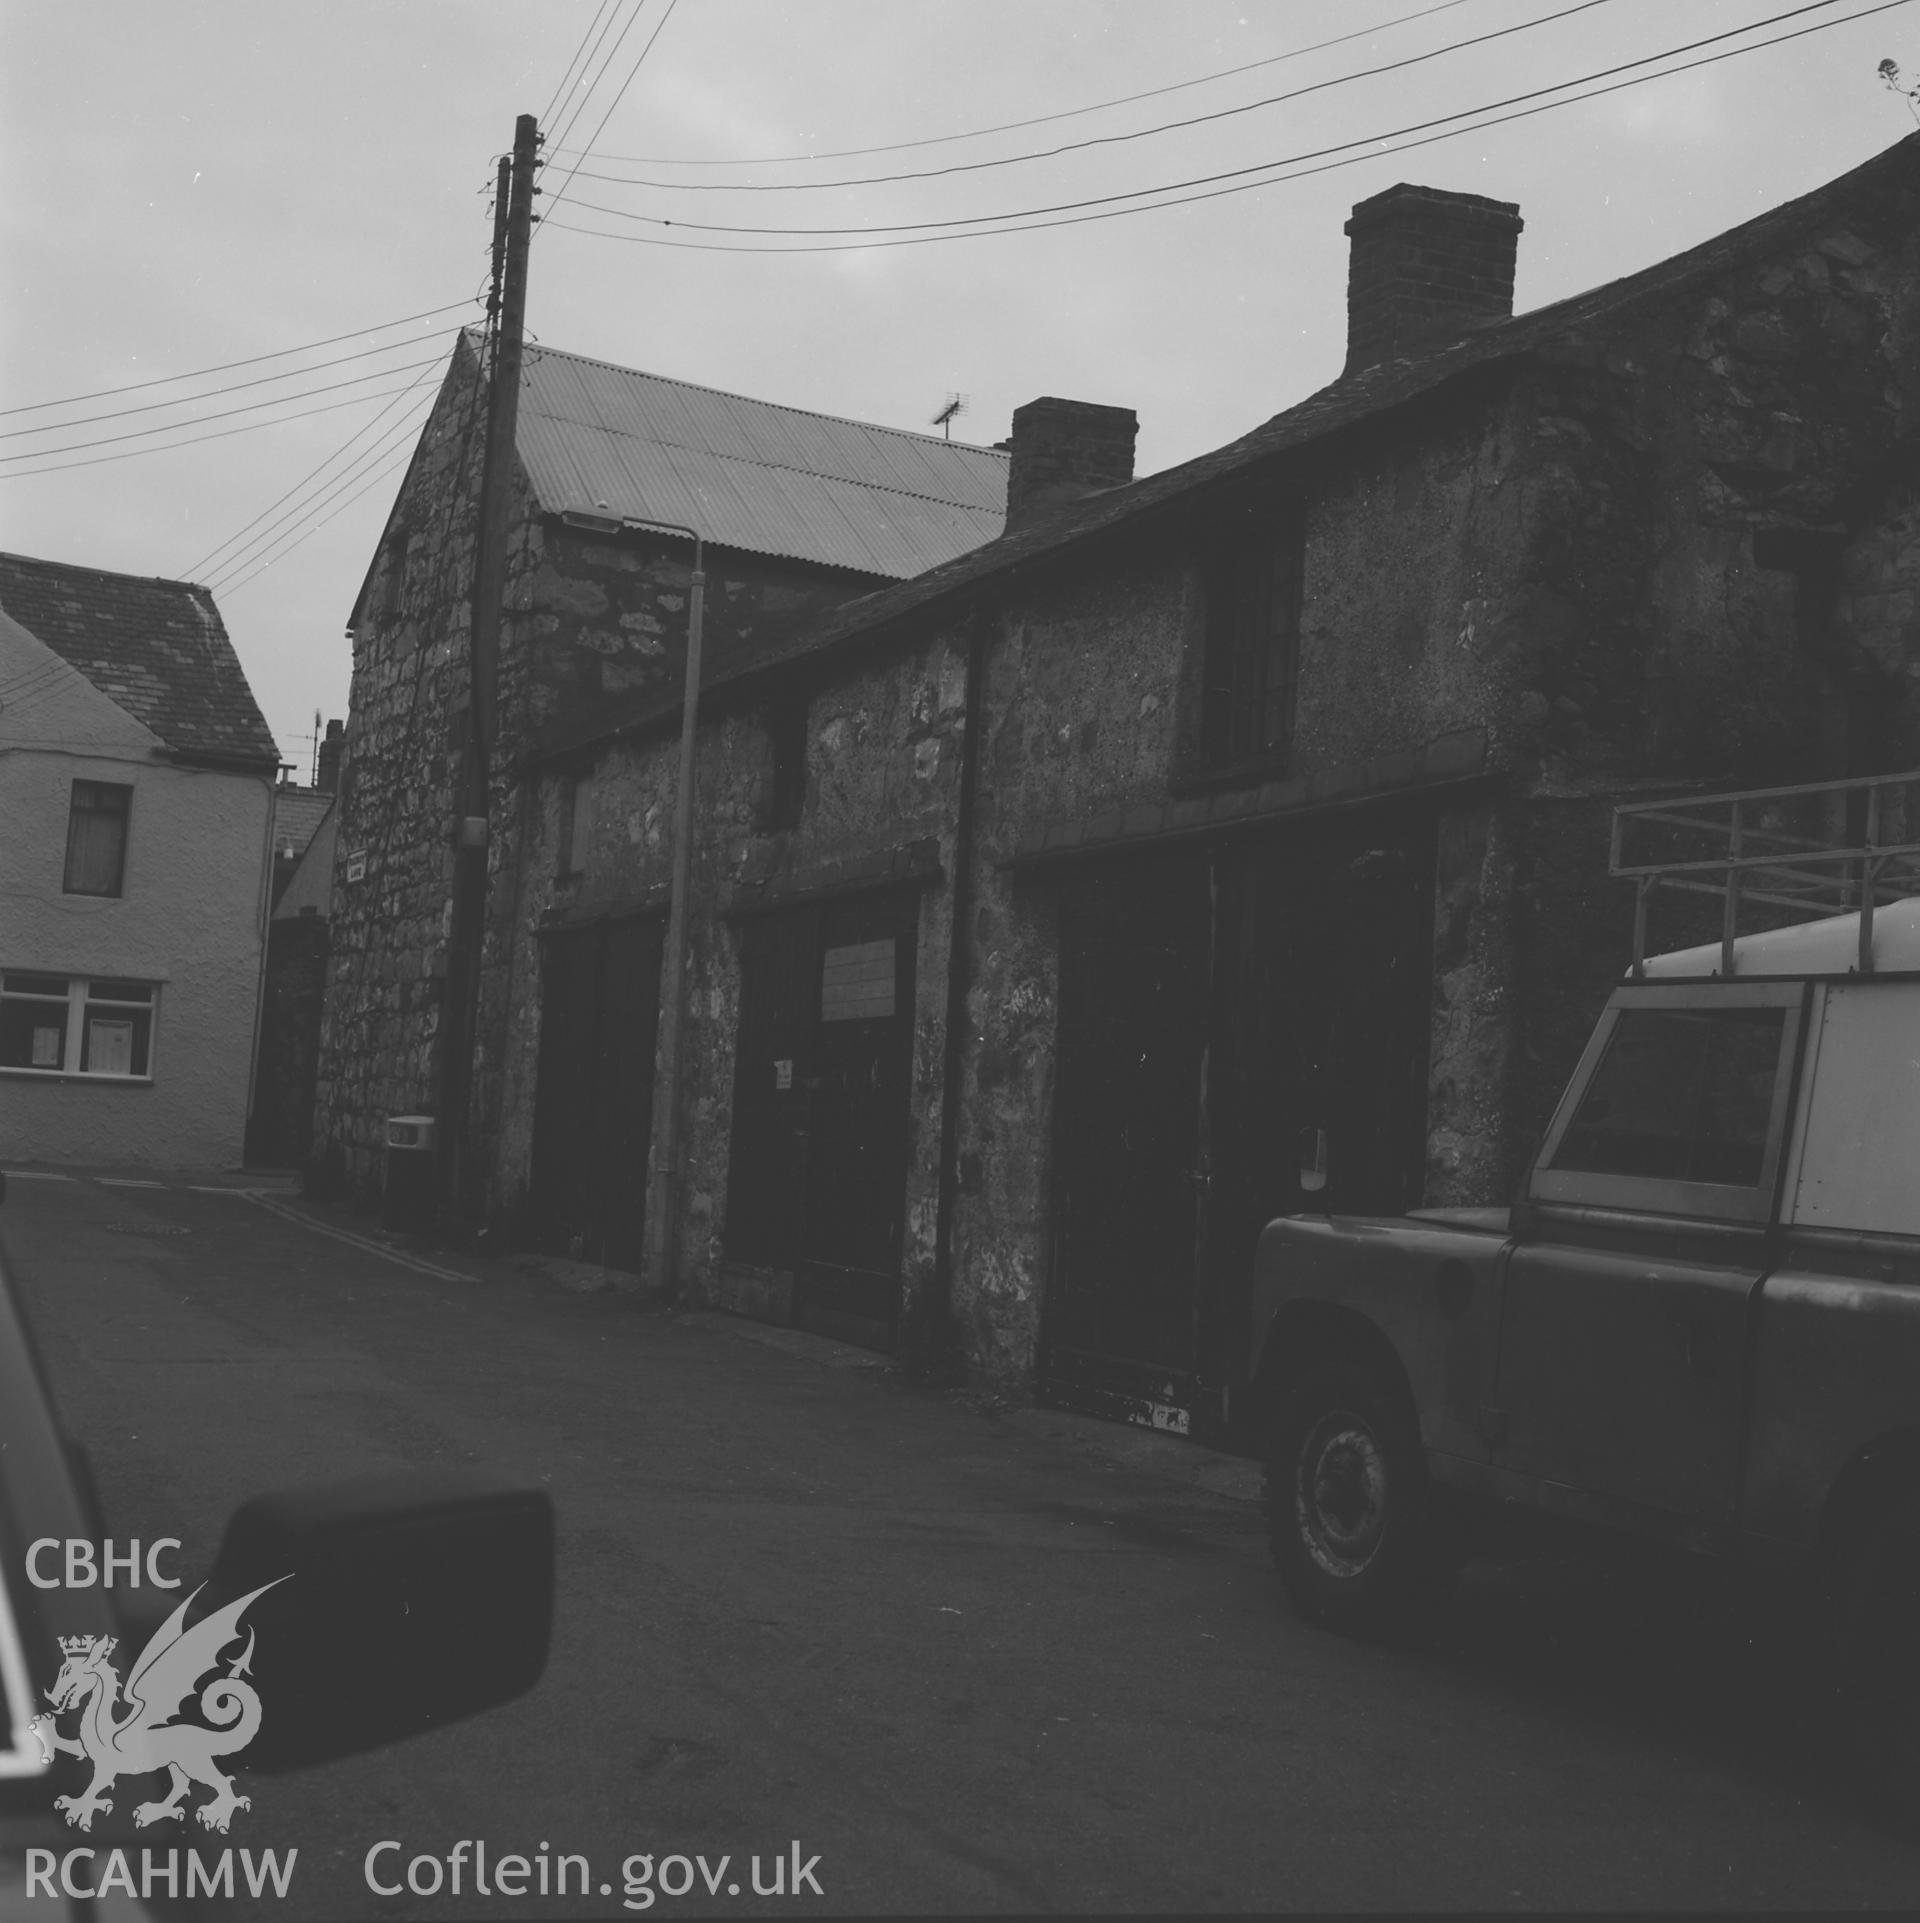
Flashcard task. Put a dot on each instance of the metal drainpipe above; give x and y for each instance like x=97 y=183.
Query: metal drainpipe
x=941 y=1354
x=660 y=1255
x=264 y=919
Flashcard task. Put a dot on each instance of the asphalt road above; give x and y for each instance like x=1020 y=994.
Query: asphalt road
x=965 y=1658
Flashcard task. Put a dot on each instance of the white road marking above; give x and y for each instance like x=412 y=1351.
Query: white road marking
x=126 y=1182
x=35 y=1175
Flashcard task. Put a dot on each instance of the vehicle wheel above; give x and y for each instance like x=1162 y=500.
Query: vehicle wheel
x=1351 y=1520
x=1871 y=1666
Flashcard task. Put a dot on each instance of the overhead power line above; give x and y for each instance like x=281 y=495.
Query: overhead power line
x=566 y=79
x=219 y=434
x=287 y=530
x=1108 y=140
x=1037 y=120
x=225 y=413
x=1070 y=213
x=234 y=586
x=639 y=61
x=586 y=93
x=312 y=474
x=225 y=367
x=214 y=393
x=278 y=531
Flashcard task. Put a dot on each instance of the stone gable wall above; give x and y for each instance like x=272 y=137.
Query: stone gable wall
x=588 y=618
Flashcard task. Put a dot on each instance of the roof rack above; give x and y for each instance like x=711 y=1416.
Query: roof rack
x=1820 y=848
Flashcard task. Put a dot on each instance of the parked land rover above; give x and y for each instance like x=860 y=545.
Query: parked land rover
x=1700 y=1320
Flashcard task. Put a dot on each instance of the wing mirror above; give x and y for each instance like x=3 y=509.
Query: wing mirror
x=381 y=1608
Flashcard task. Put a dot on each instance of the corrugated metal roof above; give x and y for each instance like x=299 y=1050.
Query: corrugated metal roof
x=750 y=474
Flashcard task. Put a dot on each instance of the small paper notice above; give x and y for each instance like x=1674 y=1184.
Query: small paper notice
x=109 y=1047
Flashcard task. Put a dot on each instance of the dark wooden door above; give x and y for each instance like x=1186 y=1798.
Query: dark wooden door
x=1129 y=1174
x=593 y=1102
x=1321 y=1040
x=1222 y=1014
x=822 y=1087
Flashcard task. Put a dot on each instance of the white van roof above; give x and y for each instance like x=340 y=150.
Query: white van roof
x=1830 y=947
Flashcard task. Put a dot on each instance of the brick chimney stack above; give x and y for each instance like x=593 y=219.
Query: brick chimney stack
x=326 y=765
x=1424 y=267
x=1062 y=450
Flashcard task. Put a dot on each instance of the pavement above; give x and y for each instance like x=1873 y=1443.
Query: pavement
x=975 y=1659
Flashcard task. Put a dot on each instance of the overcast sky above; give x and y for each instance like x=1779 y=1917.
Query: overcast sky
x=195 y=184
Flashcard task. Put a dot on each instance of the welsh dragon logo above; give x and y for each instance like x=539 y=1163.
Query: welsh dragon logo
x=146 y=1738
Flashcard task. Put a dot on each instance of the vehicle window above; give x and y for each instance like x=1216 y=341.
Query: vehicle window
x=1682 y=1094
x=1863 y=1116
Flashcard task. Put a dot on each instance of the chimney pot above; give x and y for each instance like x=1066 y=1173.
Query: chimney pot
x=1426 y=265
x=1063 y=450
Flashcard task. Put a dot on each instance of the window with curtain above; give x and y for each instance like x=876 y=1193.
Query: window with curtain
x=97 y=838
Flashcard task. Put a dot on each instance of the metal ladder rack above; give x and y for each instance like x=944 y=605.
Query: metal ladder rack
x=1819 y=848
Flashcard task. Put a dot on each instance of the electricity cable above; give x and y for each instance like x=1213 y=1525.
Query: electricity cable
x=234 y=584
x=639 y=61
x=1037 y=120
x=277 y=530
x=213 y=553
x=193 y=440
x=226 y=367
x=567 y=78
x=1110 y=140
x=1018 y=222
x=212 y=393
x=226 y=413
x=580 y=105
x=269 y=541
x=228 y=553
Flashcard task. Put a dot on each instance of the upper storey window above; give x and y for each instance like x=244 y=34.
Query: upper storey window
x=97 y=838
x=1252 y=646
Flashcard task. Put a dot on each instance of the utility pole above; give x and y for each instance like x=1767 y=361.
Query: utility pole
x=457 y=1166
x=661 y=1237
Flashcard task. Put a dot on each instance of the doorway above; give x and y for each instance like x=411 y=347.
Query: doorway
x=816 y=1189
x=593 y=1097
x=1233 y=1019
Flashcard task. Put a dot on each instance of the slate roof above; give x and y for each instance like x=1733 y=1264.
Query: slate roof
x=752 y=475
x=156 y=648
x=309 y=889
x=1347 y=403
x=297 y=812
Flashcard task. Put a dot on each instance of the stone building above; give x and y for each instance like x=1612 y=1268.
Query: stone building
x=1233 y=840
x=1269 y=795
x=799 y=512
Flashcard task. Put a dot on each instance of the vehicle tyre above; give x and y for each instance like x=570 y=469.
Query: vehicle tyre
x=1870 y=1662
x=1352 y=1520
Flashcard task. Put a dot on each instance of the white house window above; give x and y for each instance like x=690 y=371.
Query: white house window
x=76 y=1025
x=97 y=838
